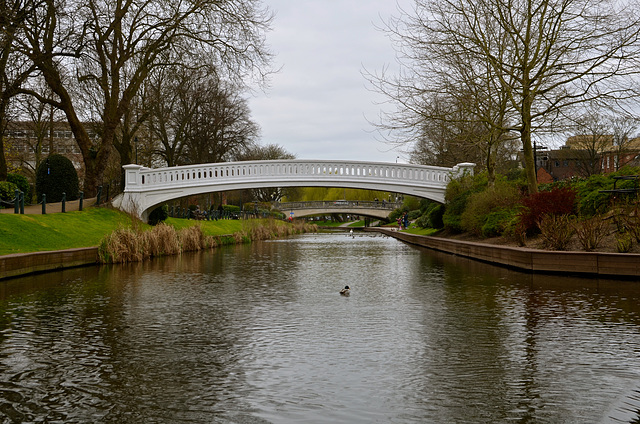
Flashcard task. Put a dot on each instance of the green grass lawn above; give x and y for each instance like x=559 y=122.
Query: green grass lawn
x=57 y=231
x=421 y=231
x=34 y=233
x=209 y=228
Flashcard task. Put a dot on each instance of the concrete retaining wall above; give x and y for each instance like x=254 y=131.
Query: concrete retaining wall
x=531 y=260
x=28 y=263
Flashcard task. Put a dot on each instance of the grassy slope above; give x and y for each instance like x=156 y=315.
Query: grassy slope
x=210 y=228
x=34 y=233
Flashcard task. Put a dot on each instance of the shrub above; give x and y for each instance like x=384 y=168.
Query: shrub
x=624 y=242
x=558 y=201
x=431 y=216
x=591 y=232
x=556 y=231
x=414 y=214
x=159 y=215
x=482 y=204
x=22 y=183
x=7 y=191
x=456 y=197
x=435 y=215
x=397 y=213
x=515 y=230
x=231 y=208
x=453 y=213
x=55 y=176
x=497 y=222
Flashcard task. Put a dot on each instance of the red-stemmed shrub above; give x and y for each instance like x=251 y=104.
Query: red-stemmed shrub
x=559 y=201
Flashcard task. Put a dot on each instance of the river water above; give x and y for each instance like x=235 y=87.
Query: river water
x=259 y=333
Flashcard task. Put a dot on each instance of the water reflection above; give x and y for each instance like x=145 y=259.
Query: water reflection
x=259 y=333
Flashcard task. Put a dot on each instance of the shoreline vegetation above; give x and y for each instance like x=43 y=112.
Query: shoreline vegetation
x=137 y=244
x=120 y=236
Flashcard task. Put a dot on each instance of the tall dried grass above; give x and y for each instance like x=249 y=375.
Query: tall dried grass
x=121 y=246
x=162 y=240
x=192 y=239
x=134 y=245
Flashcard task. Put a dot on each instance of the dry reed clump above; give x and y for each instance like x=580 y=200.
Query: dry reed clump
x=162 y=240
x=211 y=242
x=257 y=230
x=134 y=245
x=121 y=246
x=192 y=239
x=239 y=236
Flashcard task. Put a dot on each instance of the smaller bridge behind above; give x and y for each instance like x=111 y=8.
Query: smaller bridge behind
x=377 y=209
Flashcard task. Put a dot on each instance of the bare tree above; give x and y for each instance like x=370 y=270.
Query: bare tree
x=14 y=69
x=592 y=139
x=108 y=48
x=623 y=129
x=38 y=120
x=268 y=152
x=197 y=118
x=221 y=125
x=544 y=56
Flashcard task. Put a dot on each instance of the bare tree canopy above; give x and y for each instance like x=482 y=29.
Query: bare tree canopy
x=14 y=70
x=96 y=54
x=268 y=152
x=544 y=57
x=197 y=118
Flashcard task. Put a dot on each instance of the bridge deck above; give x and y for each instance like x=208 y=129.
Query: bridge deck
x=146 y=188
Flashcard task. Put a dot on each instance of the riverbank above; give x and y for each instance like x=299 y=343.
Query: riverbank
x=590 y=264
x=40 y=243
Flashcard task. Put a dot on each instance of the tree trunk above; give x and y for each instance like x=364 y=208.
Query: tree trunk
x=3 y=128
x=525 y=136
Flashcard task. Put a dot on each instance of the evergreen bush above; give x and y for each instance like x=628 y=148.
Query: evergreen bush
x=456 y=197
x=7 y=192
x=503 y=196
x=159 y=215
x=435 y=215
x=55 y=176
x=497 y=222
x=22 y=183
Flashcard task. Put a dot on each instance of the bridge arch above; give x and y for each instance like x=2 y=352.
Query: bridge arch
x=146 y=188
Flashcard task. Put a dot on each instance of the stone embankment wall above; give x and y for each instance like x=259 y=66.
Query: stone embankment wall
x=531 y=260
x=28 y=263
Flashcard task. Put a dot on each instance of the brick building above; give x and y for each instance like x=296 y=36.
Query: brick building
x=587 y=155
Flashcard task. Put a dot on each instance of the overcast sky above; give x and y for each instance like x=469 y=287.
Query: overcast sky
x=319 y=105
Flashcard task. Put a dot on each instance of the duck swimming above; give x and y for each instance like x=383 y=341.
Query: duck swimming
x=345 y=291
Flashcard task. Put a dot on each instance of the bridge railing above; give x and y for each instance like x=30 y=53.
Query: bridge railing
x=337 y=204
x=139 y=178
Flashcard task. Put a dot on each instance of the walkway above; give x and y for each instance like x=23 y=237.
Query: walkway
x=70 y=206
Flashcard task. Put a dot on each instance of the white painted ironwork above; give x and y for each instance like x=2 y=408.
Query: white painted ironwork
x=145 y=188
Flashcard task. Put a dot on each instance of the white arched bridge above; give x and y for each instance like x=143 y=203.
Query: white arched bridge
x=376 y=208
x=147 y=188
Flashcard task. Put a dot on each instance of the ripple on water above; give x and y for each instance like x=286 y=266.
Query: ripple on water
x=259 y=333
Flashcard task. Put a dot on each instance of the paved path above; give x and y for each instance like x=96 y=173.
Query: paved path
x=72 y=205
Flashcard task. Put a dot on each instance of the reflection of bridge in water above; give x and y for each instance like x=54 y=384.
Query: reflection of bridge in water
x=377 y=209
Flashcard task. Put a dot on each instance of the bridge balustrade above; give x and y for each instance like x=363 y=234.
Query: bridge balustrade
x=188 y=175
x=145 y=188
x=338 y=204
